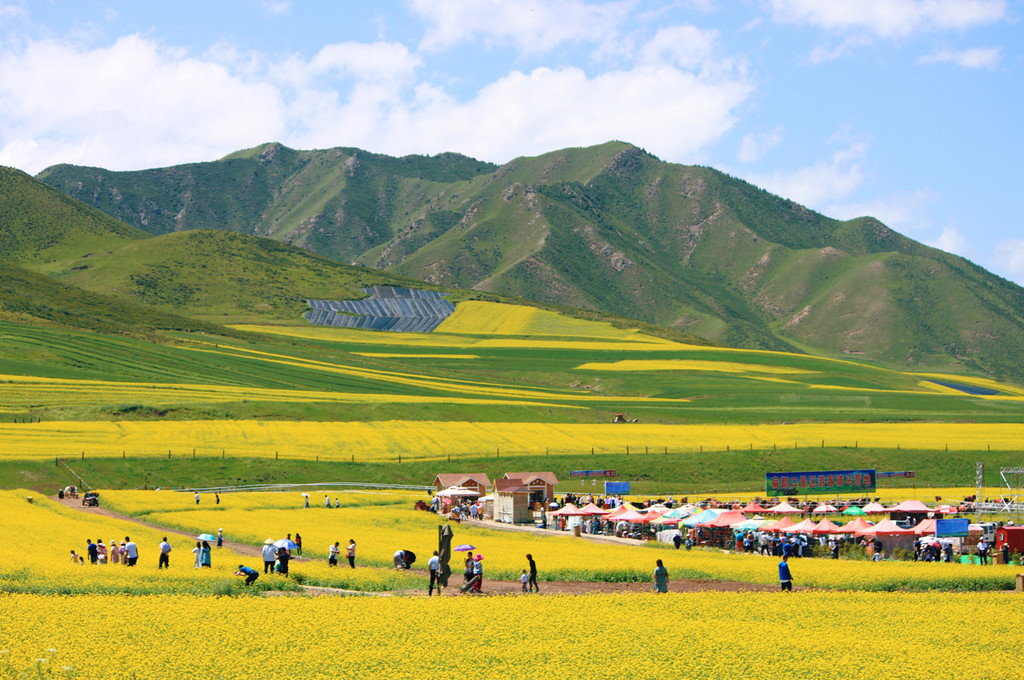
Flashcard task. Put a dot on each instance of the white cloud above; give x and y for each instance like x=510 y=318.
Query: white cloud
x=137 y=104
x=755 y=145
x=889 y=18
x=952 y=241
x=822 y=183
x=1009 y=257
x=682 y=46
x=977 y=57
x=131 y=104
x=277 y=6
x=904 y=211
x=532 y=27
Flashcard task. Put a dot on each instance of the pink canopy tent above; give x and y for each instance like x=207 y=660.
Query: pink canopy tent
x=651 y=515
x=621 y=510
x=569 y=510
x=726 y=519
x=925 y=526
x=804 y=527
x=784 y=508
x=753 y=507
x=910 y=506
x=884 y=528
x=591 y=509
x=946 y=509
x=854 y=525
x=875 y=509
x=825 y=526
x=629 y=516
x=779 y=525
x=824 y=508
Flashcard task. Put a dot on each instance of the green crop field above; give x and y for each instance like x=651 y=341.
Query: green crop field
x=495 y=386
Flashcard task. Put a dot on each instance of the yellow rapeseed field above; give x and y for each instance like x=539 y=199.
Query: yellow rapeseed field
x=705 y=635
x=386 y=440
x=380 y=524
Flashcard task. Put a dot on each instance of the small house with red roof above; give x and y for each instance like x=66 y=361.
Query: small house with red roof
x=474 y=481
x=540 y=484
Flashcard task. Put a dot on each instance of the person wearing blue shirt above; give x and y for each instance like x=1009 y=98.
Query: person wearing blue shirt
x=249 y=574
x=785 y=578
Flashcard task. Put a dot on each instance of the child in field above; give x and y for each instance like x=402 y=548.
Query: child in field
x=525 y=578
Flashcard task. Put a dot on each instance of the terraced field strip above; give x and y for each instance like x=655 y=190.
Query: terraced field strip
x=387 y=440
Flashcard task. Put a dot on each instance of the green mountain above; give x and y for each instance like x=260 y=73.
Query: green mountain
x=609 y=228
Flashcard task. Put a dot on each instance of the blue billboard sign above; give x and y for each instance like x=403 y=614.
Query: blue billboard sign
x=951 y=527
x=616 y=488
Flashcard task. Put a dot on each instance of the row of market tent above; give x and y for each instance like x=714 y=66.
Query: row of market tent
x=717 y=518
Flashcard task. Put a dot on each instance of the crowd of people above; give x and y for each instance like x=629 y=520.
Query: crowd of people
x=125 y=553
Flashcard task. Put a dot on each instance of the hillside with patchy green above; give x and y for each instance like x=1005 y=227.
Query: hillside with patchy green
x=608 y=228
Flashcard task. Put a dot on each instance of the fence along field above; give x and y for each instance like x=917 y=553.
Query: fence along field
x=438 y=440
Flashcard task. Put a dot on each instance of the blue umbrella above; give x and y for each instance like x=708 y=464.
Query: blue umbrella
x=286 y=544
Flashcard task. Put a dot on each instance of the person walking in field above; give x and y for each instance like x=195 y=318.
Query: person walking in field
x=131 y=551
x=198 y=552
x=114 y=552
x=298 y=545
x=660 y=578
x=434 y=566
x=350 y=553
x=165 y=554
x=220 y=538
x=532 y=582
x=197 y=498
x=269 y=556
x=204 y=556
x=332 y=554
x=524 y=579
x=785 y=577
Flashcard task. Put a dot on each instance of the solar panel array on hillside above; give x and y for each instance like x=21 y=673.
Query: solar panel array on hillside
x=401 y=310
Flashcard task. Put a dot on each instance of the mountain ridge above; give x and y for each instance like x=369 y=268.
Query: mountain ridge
x=609 y=228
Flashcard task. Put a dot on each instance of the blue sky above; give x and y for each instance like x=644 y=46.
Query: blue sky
x=907 y=110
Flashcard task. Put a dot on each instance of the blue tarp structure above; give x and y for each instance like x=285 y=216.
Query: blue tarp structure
x=401 y=310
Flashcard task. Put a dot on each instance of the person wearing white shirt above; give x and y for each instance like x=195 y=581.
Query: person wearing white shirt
x=131 y=551
x=332 y=554
x=165 y=554
x=269 y=557
x=434 y=565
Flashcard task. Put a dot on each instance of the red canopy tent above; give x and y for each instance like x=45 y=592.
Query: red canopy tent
x=910 y=506
x=925 y=526
x=753 y=507
x=805 y=527
x=825 y=507
x=591 y=509
x=825 y=526
x=875 y=509
x=630 y=515
x=621 y=510
x=854 y=525
x=651 y=515
x=779 y=525
x=784 y=508
x=884 y=528
x=726 y=519
x=569 y=510
x=946 y=509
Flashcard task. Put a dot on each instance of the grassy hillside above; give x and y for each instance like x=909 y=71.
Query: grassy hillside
x=608 y=228
x=32 y=298
x=40 y=226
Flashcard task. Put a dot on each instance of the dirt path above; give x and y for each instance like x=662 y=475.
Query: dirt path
x=490 y=587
